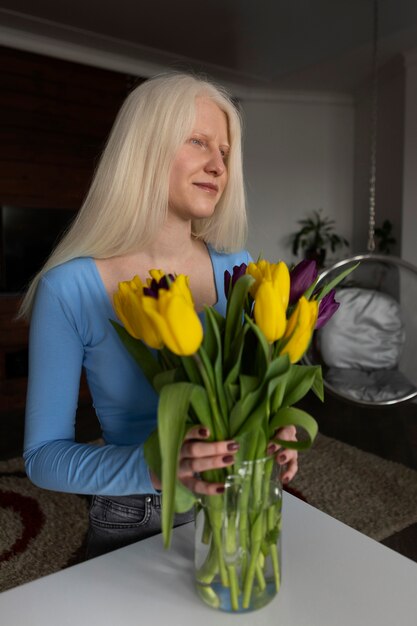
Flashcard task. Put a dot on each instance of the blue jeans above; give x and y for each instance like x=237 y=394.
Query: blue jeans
x=117 y=521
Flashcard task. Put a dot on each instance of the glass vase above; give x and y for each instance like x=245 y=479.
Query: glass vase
x=238 y=539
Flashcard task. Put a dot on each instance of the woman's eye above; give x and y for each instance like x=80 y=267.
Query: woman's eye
x=197 y=142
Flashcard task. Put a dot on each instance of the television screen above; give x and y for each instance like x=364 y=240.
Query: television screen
x=28 y=235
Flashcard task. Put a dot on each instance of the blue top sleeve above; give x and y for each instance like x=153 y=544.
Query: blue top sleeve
x=70 y=330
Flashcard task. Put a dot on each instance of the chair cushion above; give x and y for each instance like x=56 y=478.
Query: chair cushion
x=376 y=386
x=366 y=332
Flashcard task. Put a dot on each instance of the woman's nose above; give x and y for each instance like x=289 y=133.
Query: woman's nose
x=215 y=164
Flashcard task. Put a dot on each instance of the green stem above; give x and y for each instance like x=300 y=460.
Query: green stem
x=210 y=567
x=248 y=584
x=273 y=551
x=220 y=433
x=273 y=523
x=260 y=578
x=231 y=550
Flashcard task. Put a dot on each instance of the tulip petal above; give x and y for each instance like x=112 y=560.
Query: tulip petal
x=185 y=329
x=300 y=329
x=268 y=311
x=302 y=277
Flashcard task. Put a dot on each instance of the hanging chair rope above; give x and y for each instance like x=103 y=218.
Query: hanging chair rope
x=374 y=123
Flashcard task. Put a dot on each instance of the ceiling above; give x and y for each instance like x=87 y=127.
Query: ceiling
x=267 y=44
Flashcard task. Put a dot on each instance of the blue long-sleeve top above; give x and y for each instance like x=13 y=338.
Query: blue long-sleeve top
x=70 y=330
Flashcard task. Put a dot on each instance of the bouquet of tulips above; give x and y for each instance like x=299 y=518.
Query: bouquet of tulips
x=239 y=377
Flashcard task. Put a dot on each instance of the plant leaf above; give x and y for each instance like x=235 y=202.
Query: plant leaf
x=164 y=378
x=291 y=416
x=172 y=415
x=325 y=290
x=299 y=382
x=235 y=307
x=216 y=359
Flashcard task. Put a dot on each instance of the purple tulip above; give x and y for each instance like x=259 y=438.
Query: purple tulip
x=327 y=307
x=238 y=271
x=302 y=276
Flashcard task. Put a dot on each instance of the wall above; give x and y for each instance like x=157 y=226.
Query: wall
x=389 y=154
x=409 y=225
x=298 y=155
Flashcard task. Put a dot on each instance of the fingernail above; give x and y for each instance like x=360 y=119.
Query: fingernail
x=229 y=458
x=220 y=489
x=203 y=432
x=272 y=448
x=233 y=446
x=282 y=458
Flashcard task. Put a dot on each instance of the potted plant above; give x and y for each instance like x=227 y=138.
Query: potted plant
x=315 y=236
x=385 y=237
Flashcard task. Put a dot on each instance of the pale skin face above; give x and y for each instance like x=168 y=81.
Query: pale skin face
x=199 y=171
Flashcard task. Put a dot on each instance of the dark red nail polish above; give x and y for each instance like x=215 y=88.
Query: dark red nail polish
x=203 y=432
x=229 y=458
x=282 y=458
x=220 y=489
x=233 y=446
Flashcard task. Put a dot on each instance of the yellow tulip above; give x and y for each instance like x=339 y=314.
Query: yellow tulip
x=175 y=318
x=128 y=304
x=299 y=329
x=271 y=292
x=269 y=313
x=161 y=312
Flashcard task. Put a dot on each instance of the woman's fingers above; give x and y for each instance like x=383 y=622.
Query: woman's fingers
x=198 y=455
x=286 y=457
x=197 y=485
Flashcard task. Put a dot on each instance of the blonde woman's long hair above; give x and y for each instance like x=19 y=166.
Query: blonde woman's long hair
x=127 y=202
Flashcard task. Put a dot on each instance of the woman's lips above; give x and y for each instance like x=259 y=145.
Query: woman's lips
x=209 y=187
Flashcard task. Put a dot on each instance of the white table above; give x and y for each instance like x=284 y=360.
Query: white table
x=332 y=576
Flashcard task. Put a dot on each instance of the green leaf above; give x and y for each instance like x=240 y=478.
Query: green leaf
x=172 y=415
x=140 y=353
x=300 y=380
x=164 y=378
x=152 y=453
x=200 y=403
x=216 y=360
x=318 y=387
x=232 y=367
x=325 y=290
x=263 y=345
x=291 y=416
x=232 y=391
x=184 y=498
x=191 y=369
x=235 y=307
x=244 y=407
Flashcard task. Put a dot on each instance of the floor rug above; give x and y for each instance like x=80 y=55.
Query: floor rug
x=372 y=495
x=42 y=531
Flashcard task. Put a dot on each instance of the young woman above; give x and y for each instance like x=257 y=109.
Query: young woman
x=168 y=193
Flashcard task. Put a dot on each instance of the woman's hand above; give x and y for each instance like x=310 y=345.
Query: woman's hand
x=284 y=456
x=198 y=455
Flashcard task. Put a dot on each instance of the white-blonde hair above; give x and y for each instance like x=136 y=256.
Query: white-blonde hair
x=127 y=202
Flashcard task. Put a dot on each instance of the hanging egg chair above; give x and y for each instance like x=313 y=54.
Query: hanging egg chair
x=368 y=350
